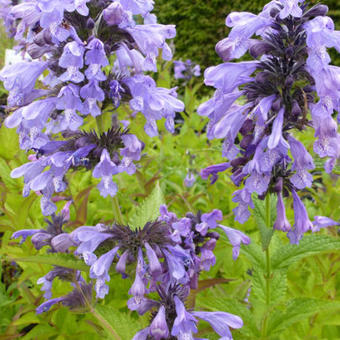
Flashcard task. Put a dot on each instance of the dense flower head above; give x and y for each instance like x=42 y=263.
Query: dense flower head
x=86 y=57
x=288 y=87
x=168 y=250
x=107 y=154
x=150 y=248
x=172 y=320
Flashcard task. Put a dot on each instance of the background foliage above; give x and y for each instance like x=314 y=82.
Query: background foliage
x=201 y=24
x=304 y=299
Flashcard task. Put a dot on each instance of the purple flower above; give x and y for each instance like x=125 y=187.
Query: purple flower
x=104 y=170
x=72 y=60
x=158 y=328
x=221 y=321
x=213 y=170
x=302 y=223
x=189 y=180
x=235 y=237
x=19 y=79
x=281 y=222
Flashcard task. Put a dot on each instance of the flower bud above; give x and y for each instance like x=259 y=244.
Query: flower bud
x=90 y=24
x=260 y=48
x=113 y=15
x=248 y=126
x=317 y=10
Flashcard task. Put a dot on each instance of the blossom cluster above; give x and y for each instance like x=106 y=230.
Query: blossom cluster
x=260 y=106
x=85 y=57
x=165 y=256
x=186 y=69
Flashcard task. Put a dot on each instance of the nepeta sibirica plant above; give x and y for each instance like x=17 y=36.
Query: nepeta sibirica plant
x=288 y=87
x=165 y=257
x=87 y=57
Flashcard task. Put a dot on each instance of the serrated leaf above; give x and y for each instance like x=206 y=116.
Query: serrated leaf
x=260 y=214
x=299 y=309
x=148 y=209
x=122 y=323
x=277 y=286
x=254 y=254
x=62 y=260
x=309 y=245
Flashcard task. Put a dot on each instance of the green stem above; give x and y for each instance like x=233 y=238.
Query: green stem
x=116 y=210
x=268 y=271
x=100 y=123
x=102 y=321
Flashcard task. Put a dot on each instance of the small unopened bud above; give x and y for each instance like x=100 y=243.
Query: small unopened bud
x=247 y=127
x=246 y=141
x=296 y=110
x=289 y=81
x=277 y=105
x=317 y=10
x=289 y=51
x=278 y=185
x=90 y=24
x=238 y=161
x=260 y=48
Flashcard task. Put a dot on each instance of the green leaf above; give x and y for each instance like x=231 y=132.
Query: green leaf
x=277 y=287
x=309 y=245
x=148 y=209
x=299 y=309
x=124 y=325
x=62 y=260
x=260 y=214
x=254 y=254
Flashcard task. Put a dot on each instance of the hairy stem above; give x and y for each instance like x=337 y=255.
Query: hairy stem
x=104 y=323
x=116 y=210
x=268 y=272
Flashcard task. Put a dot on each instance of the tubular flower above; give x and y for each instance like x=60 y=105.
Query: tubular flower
x=171 y=319
x=289 y=77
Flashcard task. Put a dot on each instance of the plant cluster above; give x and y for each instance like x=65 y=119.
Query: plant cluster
x=75 y=100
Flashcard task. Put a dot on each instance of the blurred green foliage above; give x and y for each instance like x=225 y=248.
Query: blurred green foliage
x=201 y=24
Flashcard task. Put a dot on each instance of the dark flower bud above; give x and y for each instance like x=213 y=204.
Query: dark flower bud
x=278 y=185
x=42 y=38
x=260 y=48
x=289 y=51
x=273 y=12
x=90 y=24
x=246 y=141
x=190 y=215
x=214 y=235
x=296 y=110
x=247 y=127
x=277 y=105
x=317 y=10
x=289 y=81
x=238 y=161
x=308 y=88
x=261 y=77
